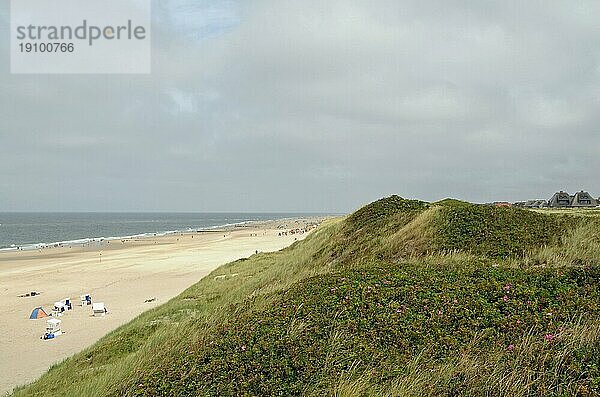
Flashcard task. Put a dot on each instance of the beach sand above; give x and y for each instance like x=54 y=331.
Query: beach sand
x=122 y=275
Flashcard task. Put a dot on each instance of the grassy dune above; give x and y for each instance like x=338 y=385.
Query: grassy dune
x=400 y=298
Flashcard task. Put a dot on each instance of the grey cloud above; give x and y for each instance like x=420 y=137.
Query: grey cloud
x=312 y=105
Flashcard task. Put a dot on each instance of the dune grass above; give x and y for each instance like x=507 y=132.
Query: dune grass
x=533 y=367
x=400 y=298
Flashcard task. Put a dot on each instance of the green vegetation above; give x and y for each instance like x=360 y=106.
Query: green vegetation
x=400 y=298
x=586 y=212
x=496 y=232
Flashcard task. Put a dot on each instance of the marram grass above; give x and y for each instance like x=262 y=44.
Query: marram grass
x=401 y=298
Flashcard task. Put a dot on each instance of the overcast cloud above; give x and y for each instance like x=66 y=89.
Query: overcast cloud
x=315 y=106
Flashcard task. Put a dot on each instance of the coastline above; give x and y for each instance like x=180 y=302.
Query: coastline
x=99 y=241
x=123 y=274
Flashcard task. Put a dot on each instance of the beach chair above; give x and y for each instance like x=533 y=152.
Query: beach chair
x=53 y=329
x=58 y=310
x=98 y=309
x=85 y=299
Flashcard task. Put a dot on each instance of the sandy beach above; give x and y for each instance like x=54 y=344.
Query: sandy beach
x=123 y=275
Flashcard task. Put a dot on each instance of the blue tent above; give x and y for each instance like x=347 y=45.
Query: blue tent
x=38 y=312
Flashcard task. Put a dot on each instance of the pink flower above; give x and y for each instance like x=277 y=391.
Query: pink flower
x=507 y=287
x=511 y=347
x=548 y=337
x=505 y=298
x=518 y=321
x=439 y=313
x=243 y=348
x=455 y=301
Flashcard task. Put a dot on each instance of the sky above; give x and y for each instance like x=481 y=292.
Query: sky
x=316 y=106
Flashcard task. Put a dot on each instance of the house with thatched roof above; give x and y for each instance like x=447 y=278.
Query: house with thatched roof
x=583 y=199
x=578 y=200
x=536 y=204
x=560 y=200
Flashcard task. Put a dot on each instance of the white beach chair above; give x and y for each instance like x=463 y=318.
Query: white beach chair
x=98 y=309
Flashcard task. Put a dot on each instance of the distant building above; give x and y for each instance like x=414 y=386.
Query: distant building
x=531 y=204
x=536 y=204
x=565 y=200
x=560 y=200
x=583 y=199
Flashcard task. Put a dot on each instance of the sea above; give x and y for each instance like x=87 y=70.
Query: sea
x=25 y=231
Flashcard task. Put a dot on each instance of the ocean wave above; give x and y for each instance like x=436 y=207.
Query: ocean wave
x=97 y=240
